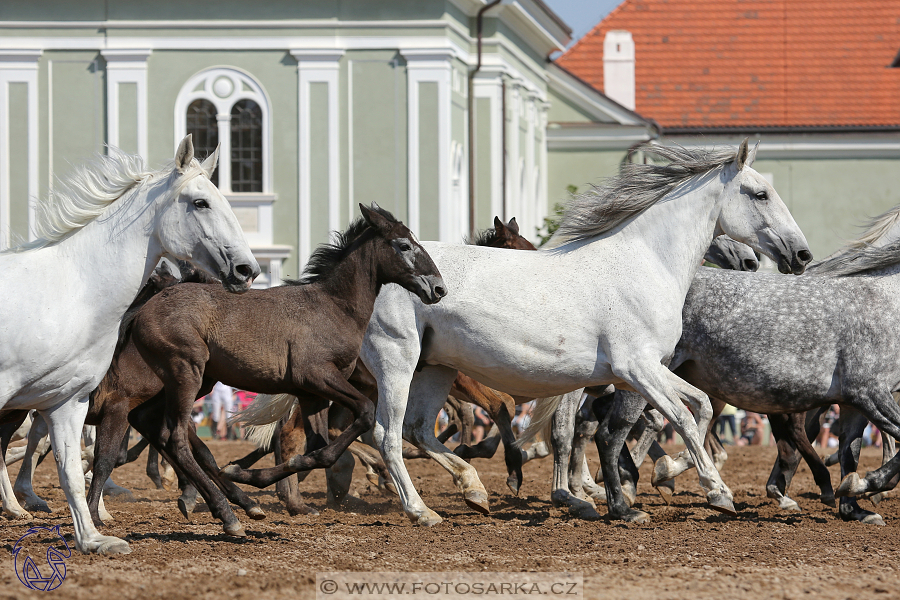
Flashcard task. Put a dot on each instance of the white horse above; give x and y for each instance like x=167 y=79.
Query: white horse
x=602 y=307
x=100 y=236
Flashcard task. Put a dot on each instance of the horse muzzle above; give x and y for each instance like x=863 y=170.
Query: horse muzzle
x=241 y=277
x=431 y=289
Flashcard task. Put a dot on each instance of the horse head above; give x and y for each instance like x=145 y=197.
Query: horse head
x=753 y=213
x=403 y=260
x=199 y=226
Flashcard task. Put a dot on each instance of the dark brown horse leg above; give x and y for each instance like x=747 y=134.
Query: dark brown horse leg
x=818 y=468
x=785 y=465
x=168 y=433
x=135 y=451
x=291 y=438
x=332 y=386
x=234 y=494
x=252 y=458
x=110 y=433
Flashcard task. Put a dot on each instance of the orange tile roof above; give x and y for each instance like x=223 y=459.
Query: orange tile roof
x=738 y=63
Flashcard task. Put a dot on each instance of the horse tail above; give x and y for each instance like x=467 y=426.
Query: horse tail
x=264 y=409
x=541 y=420
x=261 y=435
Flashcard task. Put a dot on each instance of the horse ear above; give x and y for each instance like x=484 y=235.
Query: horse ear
x=185 y=153
x=499 y=227
x=752 y=155
x=741 y=159
x=163 y=268
x=374 y=218
x=513 y=226
x=209 y=165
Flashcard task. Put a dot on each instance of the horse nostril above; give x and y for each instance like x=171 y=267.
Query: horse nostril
x=245 y=271
x=441 y=292
x=750 y=264
x=805 y=255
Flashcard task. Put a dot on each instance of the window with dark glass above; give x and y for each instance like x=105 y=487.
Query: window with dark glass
x=246 y=147
x=201 y=123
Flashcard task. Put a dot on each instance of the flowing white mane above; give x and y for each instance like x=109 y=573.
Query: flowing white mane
x=635 y=189
x=88 y=192
x=876 y=228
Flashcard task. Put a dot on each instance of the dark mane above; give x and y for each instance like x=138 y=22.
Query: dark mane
x=327 y=256
x=482 y=238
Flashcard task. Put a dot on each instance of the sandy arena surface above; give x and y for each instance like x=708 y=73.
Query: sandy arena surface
x=687 y=551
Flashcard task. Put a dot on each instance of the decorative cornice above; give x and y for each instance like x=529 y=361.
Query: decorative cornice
x=126 y=58
x=19 y=59
x=329 y=56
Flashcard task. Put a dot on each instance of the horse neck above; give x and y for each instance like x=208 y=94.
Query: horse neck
x=354 y=282
x=115 y=253
x=678 y=230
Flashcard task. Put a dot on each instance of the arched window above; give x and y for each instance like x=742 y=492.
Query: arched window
x=201 y=122
x=226 y=106
x=246 y=147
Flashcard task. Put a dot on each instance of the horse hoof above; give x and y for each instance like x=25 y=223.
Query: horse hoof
x=584 y=511
x=114 y=546
x=514 y=483
x=478 y=500
x=21 y=515
x=635 y=516
x=788 y=504
x=235 y=529
x=599 y=495
x=628 y=492
x=851 y=485
x=169 y=479
x=720 y=502
x=828 y=500
x=302 y=510
x=372 y=477
x=663 y=470
x=256 y=513
x=665 y=492
x=873 y=519
x=427 y=519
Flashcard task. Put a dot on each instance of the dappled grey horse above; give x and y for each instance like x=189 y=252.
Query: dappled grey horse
x=772 y=344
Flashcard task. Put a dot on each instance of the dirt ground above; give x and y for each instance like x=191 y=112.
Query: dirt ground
x=687 y=551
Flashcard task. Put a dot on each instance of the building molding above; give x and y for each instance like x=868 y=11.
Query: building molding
x=316 y=65
x=596 y=136
x=124 y=66
x=803 y=145
x=489 y=86
x=18 y=66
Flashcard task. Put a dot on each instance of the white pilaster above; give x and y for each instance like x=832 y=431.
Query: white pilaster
x=513 y=201
x=317 y=66
x=18 y=66
x=432 y=65
x=488 y=84
x=126 y=66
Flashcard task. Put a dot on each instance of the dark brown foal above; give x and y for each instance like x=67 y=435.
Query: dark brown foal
x=301 y=339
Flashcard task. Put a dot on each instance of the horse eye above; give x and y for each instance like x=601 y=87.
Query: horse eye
x=201 y=203
x=404 y=247
x=762 y=196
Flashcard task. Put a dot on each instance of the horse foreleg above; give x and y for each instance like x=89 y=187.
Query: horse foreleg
x=65 y=424
x=562 y=434
x=291 y=438
x=818 y=468
x=853 y=423
x=109 y=435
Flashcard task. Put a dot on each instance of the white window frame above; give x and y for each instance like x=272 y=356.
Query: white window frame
x=243 y=87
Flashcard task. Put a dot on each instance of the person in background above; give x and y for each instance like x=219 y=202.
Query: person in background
x=727 y=417
x=753 y=430
x=221 y=402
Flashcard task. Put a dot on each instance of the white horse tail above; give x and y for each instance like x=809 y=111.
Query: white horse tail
x=261 y=435
x=264 y=409
x=541 y=420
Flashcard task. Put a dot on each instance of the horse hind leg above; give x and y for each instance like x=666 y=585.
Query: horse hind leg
x=23 y=487
x=289 y=439
x=889 y=449
x=11 y=507
x=785 y=465
x=818 y=468
x=853 y=423
x=429 y=389
x=616 y=415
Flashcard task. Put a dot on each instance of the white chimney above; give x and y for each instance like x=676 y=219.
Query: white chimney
x=618 y=67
